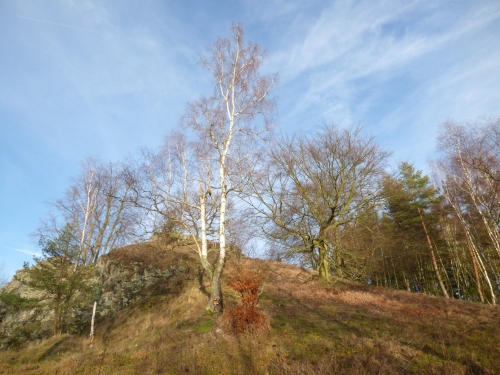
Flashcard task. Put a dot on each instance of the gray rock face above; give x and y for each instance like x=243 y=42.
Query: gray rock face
x=18 y=326
x=122 y=284
x=121 y=281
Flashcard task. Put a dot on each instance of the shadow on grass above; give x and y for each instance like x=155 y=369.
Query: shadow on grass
x=203 y=289
x=54 y=348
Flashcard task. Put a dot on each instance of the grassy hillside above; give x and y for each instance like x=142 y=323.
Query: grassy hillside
x=341 y=328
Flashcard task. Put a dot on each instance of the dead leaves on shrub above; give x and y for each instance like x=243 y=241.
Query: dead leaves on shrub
x=245 y=317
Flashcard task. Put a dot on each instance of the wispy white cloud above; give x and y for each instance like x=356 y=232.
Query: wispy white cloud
x=105 y=77
x=343 y=61
x=29 y=252
x=86 y=60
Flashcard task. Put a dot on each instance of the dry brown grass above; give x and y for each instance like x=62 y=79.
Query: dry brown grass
x=153 y=253
x=341 y=328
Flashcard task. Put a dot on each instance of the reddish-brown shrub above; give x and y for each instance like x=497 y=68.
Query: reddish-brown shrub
x=245 y=317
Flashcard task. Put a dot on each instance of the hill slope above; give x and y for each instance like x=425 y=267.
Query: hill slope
x=341 y=328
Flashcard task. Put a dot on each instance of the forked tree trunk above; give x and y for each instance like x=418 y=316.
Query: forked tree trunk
x=239 y=96
x=216 y=303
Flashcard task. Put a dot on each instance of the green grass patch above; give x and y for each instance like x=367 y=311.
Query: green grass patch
x=205 y=324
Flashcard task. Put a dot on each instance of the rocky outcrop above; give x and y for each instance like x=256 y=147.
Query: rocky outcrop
x=122 y=284
x=123 y=277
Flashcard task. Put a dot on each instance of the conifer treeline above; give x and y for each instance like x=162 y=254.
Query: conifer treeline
x=441 y=237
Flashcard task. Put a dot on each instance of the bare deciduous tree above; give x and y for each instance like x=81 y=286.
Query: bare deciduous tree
x=469 y=173
x=314 y=186
x=3 y=278
x=174 y=186
x=97 y=208
x=227 y=121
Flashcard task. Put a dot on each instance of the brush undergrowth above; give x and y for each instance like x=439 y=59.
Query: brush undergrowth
x=345 y=328
x=245 y=317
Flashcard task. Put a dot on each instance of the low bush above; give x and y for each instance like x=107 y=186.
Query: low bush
x=245 y=317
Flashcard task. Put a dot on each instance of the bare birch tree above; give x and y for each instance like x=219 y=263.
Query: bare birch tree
x=174 y=186
x=3 y=278
x=96 y=207
x=469 y=173
x=226 y=120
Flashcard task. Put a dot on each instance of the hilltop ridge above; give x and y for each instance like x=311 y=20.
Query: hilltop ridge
x=341 y=328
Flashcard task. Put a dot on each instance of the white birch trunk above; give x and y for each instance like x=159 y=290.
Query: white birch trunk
x=470 y=240
x=92 y=333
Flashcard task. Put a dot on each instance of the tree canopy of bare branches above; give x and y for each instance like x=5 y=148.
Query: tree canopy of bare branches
x=313 y=186
x=469 y=174
x=226 y=121
x=190 y=181
x=96 y=207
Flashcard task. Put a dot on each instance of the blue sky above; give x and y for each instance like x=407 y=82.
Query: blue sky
x=104 y=78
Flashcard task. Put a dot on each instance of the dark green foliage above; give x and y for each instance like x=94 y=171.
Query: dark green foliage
x=14 y=302
x=21 y=334
x=407 y=252
x=62 y=284
x=407 y=193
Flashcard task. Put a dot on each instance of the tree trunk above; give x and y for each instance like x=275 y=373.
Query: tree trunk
x=433 y=257
x=323 y=264
x=216 y=303
x=204 y=243
x=476 y=272
x=92 y=334
x=407 y=282
x=57 y=317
